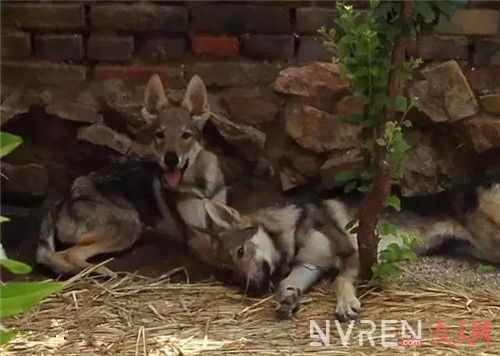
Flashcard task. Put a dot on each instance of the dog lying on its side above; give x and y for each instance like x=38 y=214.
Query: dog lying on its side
x=106 y=211
x=304 y=242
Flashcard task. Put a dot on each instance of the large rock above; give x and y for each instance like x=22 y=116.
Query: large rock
x=290 y=178
x=114 y=95
x=346 y=160
x=310 y=80
x=74 y=104
x=491 y=103
x=251 y=106
x=24 y=182
x=14 y=104
x=305 y=162
x=481 y=132
x=247 y=139
x=317 y=130
x=317 y=84
x=348 y=105
x=101 y=135
x=430 y=165
x=445 y=95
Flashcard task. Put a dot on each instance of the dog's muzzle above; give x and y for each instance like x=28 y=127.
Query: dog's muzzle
x=173 y=176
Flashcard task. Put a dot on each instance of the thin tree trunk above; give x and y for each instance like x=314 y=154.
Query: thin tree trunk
x=374 y=201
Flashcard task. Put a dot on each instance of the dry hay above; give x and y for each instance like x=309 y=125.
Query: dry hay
x=134 y=315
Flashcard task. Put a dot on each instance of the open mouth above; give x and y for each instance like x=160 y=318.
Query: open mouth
x=172 y=176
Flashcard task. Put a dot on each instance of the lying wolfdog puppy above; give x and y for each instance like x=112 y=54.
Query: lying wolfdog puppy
x=312 y=240
x=474 y=221
x=106 y=211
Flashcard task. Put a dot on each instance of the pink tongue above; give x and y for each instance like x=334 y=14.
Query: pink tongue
x=173 y=178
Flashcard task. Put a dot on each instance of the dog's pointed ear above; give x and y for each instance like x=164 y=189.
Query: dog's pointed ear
x=154 y=97
x=203 y=246
x=222 y=216
x=196 y=100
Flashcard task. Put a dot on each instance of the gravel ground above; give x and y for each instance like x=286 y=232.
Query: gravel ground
x=451 y=269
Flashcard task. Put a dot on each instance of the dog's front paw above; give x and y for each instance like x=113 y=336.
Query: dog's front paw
x=348 y=308
x=289 y=304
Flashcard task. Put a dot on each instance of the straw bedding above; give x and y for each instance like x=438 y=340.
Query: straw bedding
x=134 y=315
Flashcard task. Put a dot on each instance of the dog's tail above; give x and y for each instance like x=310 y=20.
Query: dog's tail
x=46 y=249
x=46 y=242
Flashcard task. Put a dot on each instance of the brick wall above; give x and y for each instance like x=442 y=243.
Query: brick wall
x=60 y=41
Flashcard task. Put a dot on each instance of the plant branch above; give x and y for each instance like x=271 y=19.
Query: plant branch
x=374 y=202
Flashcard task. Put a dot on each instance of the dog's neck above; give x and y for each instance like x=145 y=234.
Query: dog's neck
x=265 y=249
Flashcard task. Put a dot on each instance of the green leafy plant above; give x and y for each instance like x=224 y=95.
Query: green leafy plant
x=370 y=49
x=483 y=269
x=18 y=297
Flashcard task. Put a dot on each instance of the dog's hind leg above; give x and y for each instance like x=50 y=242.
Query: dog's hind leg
x=300 y=279
x=74 y=259
x=436 y=234
x=348 y=305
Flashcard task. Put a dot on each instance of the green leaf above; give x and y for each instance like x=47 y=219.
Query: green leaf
x=386 y=228
x=6 y=335
x=15 y=266
x=346 y=176
x=4 y=219
x=349 y=187
x=399 y=147
x=425 y=9
x=362 y=72
x=485 y=269
x=401 y=103
x=8 y=143
x=393 y=202
x=351 y=224
x=17 y=297
x=355 y=118
x=366 y=175
x=381 y=142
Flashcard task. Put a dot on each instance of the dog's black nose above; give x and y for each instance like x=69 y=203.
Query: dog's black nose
x=171 y=159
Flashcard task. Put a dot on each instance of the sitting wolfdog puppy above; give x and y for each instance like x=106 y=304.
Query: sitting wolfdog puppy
x=312 y=239
x=106 y=211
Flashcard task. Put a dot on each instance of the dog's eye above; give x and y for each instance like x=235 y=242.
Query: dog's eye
x=186 y=135
x=240 y=252
x=160 y=135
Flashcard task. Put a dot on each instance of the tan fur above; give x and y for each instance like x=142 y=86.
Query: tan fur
x=74 y=259
x=484 y=225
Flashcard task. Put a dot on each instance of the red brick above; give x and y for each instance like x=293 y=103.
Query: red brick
x=270 y=47
x=471 y=22
x=487 y=52
x=44 y=16
x=110 y=48
x=235 y=73
x=139 y=17
x=173 y=77
x=432 y=47
x=483 y=79
x=41 y=72
x=59 y=47
x=311 y=19
x=219 y=46
x=160 y=50
x=240 y=18
x=311 y=48
x=16 y=45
